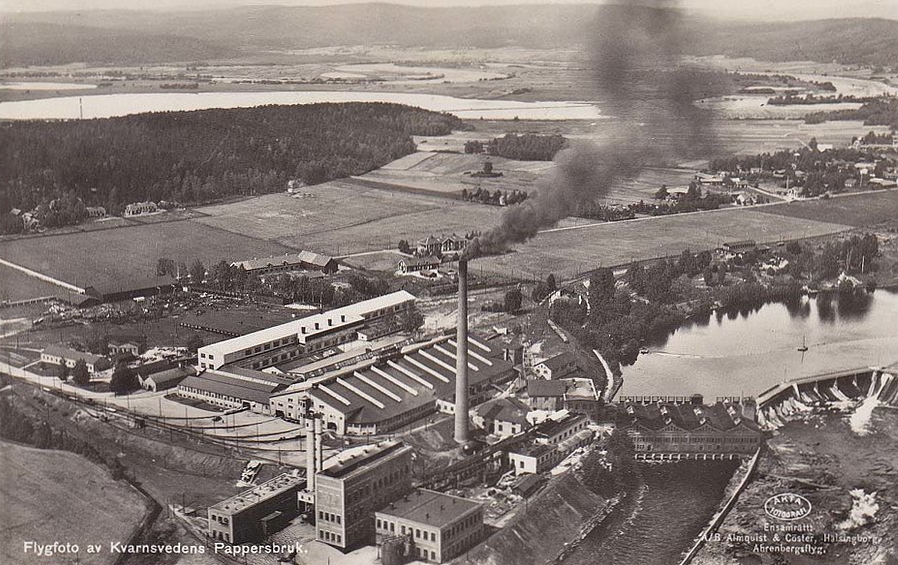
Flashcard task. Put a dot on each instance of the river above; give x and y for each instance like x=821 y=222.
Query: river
x=660 y=522
x=112 y=105
x=745 y=353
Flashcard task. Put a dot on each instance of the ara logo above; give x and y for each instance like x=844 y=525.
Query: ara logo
x=787 y=506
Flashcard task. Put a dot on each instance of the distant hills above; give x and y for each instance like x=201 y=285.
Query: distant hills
x=144 y=36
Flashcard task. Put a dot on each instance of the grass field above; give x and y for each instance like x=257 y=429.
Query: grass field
x=569 y=252
x=16 y=285
x=860 y=210
x=49 y=496
x=345 y=217
x=123 y=253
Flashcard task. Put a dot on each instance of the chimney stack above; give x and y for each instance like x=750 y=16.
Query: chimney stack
x=461 y=357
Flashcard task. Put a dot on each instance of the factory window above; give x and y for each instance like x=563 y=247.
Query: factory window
x=433 y=536
x=392 y=526
x=320 y=515
x=402 y=530
x=378 y=524
x=338 y=518
x=433 y=555
x=417 y=533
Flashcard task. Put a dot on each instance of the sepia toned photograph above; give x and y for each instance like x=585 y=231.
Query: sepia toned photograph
x=467 y=282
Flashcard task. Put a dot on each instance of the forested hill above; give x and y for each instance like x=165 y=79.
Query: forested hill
x=192 y=157
x=251 y=29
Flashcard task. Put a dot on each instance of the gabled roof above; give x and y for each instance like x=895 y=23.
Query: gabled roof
x=504 y=410
x=231 y=386
x=559 y=361
x=690 y=417
x=175 y=374
x=68 y=353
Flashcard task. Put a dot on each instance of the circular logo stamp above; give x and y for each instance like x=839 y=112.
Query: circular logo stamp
x=787 y=506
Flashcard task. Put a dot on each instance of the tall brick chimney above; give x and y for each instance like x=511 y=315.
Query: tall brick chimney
x=461 y=357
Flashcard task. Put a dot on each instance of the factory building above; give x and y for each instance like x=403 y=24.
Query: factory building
x=353 y=485
x=238 y=388
x=553 y=440
x=304 y=260
x=254 y=514
x=690 y=430
x=57 y=355
x=391 y=391
x=437 y=527
x=286 y=342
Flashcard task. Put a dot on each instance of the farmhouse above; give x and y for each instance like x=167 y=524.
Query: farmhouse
x=740 y=247
x=56 y=355
x=388 y=392
x=285 y=342
x=304 y=260
x=429 y=246
x=439 y=527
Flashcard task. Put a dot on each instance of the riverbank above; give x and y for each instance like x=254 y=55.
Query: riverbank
x=850 y=480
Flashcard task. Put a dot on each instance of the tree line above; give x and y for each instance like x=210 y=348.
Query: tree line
x=525 y=147
x=194 y=157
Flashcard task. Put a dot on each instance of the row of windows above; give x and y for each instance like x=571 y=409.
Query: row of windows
x=221 y=535
x=329 y=517
x=700 y=439
x=422 y=553
x=465 y=524
x=221 y=519
x=328 y=536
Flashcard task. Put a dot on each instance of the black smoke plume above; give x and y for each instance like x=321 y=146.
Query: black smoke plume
x=642 y=83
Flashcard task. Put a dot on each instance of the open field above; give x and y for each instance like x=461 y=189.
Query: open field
x=346 y=217
x=568 y=252
x=127 y=253
x=860 y=210
x=49 y=496
x=449 y=173
x=16 y=285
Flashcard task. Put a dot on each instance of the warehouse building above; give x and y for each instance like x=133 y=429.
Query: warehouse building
x=244 y=389
x=57 y=355
x=253 y=515
x=392 y=391
x=438 y=527
x=690 y=430
x=285 y=342
x=355 y=484
x=304 y=260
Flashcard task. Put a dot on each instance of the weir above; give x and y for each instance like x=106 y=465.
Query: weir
x=798 y=395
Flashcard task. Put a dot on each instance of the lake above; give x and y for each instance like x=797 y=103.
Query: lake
x=745 y=353
x=46 y=86
x=111 y=105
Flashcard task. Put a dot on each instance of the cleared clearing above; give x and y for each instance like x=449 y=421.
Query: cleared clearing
x=49 y=496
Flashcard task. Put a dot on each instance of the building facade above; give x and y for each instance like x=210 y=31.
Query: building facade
x=254 y=514
x=348 y=491
x=438 y=527
x=57 y=355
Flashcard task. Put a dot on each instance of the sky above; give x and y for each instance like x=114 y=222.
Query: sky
x=724 y=9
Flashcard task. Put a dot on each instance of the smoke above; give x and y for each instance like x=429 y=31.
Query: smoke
x=641 y=83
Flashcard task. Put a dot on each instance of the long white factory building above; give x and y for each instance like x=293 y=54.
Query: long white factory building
x=284 y=342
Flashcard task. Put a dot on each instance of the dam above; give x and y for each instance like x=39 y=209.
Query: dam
x=779 y=402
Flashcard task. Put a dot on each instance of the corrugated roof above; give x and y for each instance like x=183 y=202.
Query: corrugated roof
x=685 y=416
x=418 y=377
x=430 y=508
x=505 y=410
x=171 y=375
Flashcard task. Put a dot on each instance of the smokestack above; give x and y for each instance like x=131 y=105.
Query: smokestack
x=319 y=451
x=461 y=356
x=310 y=452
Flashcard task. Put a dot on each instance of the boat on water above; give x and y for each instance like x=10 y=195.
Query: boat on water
x=804 y=345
